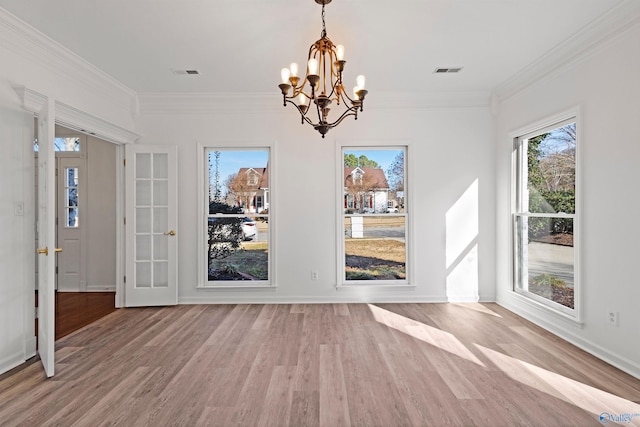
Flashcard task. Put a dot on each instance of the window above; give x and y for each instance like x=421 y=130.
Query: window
x=71 y=198
x=237 y=217
x=544 y=218
x=373 y=216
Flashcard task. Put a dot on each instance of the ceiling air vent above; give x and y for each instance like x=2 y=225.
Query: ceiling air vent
x=449 y=70
x=185 y=72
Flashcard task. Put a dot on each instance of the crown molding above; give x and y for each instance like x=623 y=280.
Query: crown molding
x=72 y=118
x=242 y=103
x=65 y=65
x=588 y=40
x=151 y=103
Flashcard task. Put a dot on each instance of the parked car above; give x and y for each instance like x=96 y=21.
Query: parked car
x=231 y=229
x=249 y=229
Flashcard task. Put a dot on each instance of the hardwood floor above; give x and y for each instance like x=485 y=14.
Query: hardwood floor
x=317 y=365
x=77 y=309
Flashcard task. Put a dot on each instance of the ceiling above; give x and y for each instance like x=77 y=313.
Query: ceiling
x=241 y=45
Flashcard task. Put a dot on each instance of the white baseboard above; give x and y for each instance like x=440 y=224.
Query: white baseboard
x=30 y=346
x=11 y=362
x=265 y=299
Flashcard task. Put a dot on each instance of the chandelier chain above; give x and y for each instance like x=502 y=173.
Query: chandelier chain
x=324 y=28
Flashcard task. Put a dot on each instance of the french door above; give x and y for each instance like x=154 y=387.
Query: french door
x=151 y=226
x=46 y=237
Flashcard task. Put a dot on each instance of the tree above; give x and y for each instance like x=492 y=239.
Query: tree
x=215 y=190
x=551 y=179
x=244 y=186
x=351 y=161
x=225 y=233
x=395 y=173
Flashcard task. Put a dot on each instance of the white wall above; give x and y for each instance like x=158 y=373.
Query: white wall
x=451 y=161
x=17 y=251
x=101 y=215
x=604 y=84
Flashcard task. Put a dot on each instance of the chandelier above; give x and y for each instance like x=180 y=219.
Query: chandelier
x=322 y=85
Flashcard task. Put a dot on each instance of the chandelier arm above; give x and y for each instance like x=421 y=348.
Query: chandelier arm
x=302 y=114
x=349 y=112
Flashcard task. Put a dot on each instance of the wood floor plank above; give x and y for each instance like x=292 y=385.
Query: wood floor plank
x=316 y=365
x=334 y=404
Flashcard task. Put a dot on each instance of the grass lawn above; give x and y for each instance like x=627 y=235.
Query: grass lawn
x=375 y=259
x=252 y=260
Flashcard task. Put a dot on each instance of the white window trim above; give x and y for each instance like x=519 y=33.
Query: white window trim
x=552 y=122
x=408 y=282
x=202 y=214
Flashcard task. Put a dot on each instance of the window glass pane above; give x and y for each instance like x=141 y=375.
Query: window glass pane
x=374 y=214
x=71 y=198
x=238 y=220
x=375 y=248
x=547 y=258
x=546 y=185
x=66 y=144
x=551 y=171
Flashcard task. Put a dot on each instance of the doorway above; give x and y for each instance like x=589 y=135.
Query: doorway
x=85 y=229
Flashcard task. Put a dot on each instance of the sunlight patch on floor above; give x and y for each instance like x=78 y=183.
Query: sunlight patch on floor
x=583 y=396
x=434 y=336
x=477 y=307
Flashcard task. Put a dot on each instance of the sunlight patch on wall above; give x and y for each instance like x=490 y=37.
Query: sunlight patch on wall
x=462 y=247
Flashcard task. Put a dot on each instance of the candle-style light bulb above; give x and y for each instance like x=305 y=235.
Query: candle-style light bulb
x=302 y=100
x=285 y=73
x=340 y=52
x=313 y=66
x=360 y=81
x=294 y=69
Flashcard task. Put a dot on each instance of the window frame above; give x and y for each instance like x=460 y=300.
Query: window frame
x=203 y=216
x=341 y=281
x=519 y=155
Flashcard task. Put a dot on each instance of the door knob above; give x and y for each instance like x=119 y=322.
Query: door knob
x=58 y=249
x=170 y=233
x=44 y=251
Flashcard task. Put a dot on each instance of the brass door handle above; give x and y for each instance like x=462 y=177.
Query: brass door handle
x=170 y=233
x=45 y=251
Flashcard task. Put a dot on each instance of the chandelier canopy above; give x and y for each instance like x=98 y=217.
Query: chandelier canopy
x=322 y=85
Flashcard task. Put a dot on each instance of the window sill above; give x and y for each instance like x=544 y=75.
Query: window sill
x=234 y=286
x=524 y=298
x=399 y=287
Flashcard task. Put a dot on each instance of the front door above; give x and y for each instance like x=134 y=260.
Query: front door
x=70 y=223
x=151 y=226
